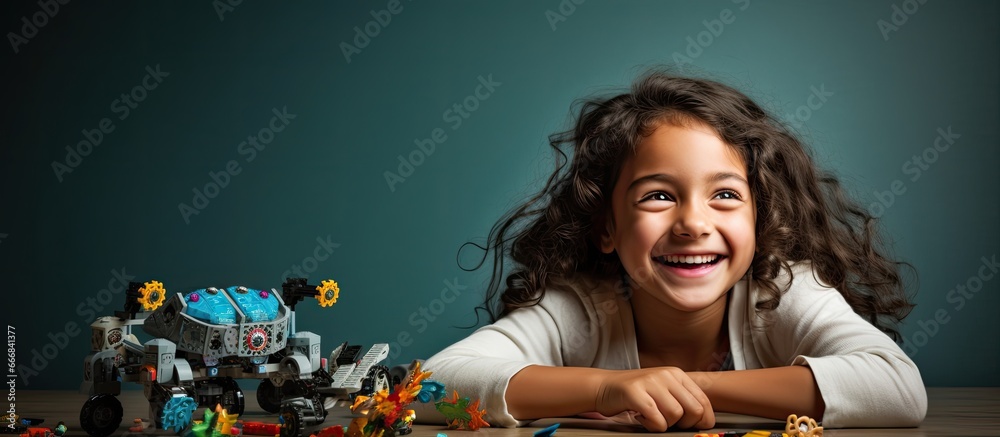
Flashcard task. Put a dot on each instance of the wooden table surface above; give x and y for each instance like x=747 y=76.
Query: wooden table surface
x=952 y=412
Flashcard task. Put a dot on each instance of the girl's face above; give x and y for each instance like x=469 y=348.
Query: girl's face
x=683 y=217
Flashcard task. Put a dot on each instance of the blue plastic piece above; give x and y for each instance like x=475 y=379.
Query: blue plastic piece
x=211 y=308
x=256 y=307
x=216 y=309
x=177 y=413
x=547 y=431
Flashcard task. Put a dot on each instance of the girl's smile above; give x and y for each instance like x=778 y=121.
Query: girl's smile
x=689 y=266
x=682 y=216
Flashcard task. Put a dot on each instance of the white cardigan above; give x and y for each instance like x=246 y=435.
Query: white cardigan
x=864 y=377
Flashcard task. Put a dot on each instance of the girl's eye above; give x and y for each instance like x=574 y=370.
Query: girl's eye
x=656 y=195
x=727 y=195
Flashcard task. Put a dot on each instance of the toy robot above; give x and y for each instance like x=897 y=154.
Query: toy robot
x=207 y=339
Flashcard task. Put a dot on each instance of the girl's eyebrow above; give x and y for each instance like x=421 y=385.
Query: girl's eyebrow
x=663 y=177
x=726 y=175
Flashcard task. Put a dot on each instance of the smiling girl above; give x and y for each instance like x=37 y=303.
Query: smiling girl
x=689 y=259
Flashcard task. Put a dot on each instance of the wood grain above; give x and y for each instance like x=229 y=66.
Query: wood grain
x=951 y=411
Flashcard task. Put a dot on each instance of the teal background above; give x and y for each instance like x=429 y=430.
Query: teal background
x=323 y=175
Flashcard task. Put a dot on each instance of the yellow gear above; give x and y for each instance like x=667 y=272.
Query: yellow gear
x=153 y=295
x=328 y=293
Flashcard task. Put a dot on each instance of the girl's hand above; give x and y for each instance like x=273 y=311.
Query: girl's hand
x=661 y=397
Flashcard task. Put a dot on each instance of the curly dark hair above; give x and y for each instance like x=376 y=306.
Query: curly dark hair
x=803 y=213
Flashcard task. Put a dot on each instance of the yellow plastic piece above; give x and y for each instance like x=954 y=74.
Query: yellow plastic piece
x=225 y=421
x=329 y=291
x=803 y=426
x=153 y=295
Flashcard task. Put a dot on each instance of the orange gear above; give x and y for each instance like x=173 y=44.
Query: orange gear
x=328 y=293
x=153 y=295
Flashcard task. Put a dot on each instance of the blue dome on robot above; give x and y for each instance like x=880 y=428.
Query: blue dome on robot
x=219 y=306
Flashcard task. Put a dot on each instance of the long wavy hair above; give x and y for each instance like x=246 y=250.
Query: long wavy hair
x=803 y=213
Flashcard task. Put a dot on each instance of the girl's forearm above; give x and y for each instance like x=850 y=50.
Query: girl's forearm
x=773 y=393
x=542 y=391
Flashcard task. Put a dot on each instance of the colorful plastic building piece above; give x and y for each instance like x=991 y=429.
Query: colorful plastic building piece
x=803 y=427
x=547 y=431
x=260 y=428
x=137 y=425
x=177 y=413
x=385 y=413
x=224 y=421
x=462 y=413
x=15 y=424
x=330 y=431
x=35 y=431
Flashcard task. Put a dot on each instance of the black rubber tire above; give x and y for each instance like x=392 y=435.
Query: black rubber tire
x=319 y=408
x=101 y=415
x=378 y=378
x=232 y=396
x=294 y=421
x=269 y=396
x=158 y=398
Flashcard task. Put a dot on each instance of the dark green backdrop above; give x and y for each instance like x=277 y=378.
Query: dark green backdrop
x=869 y=83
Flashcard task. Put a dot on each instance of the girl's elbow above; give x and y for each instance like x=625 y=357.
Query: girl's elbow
x=914 y=413
x=909 y=407
x=915 y=394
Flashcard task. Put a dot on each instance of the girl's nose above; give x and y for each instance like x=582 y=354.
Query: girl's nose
x=692 y=223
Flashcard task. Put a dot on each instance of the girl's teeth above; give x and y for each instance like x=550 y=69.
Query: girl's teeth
x=695 y=259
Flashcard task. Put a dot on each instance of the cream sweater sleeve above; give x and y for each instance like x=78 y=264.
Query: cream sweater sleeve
x=864 y=377
x=481 y=365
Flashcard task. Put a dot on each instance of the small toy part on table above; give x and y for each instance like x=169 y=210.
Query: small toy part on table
x=215 y=424
x=547 y=431
x=15 y=424
x=260 y=428
x=803 y=427
x=795 y=426
x=137 y=425
x=462 y=413
x=385 y=414
x=330 y=431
